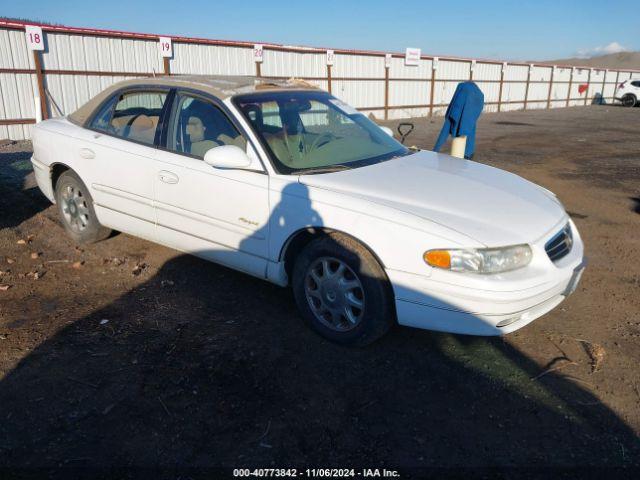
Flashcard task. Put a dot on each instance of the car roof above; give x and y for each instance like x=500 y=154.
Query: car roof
x=220 y=86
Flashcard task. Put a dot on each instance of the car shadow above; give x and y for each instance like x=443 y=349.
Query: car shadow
x=201 y=367
x=20 y=198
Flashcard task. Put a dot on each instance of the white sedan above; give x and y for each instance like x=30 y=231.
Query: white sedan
x=287 y=183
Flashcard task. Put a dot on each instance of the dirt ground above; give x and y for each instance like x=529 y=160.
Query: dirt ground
x=128 y=355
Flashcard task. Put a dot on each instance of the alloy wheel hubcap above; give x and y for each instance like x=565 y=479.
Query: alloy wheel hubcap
x=334 y=293
x=75 y=209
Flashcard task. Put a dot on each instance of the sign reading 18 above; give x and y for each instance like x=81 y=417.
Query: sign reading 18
x=34 y=38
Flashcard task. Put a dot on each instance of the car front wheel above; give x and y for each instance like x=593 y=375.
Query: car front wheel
x=342 y=291
x=628 y=100
x=76 y=210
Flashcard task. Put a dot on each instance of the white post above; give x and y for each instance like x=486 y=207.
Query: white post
x=37 y=108
x=458 y=146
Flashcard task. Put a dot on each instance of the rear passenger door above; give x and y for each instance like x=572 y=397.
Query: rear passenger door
x=121 y=148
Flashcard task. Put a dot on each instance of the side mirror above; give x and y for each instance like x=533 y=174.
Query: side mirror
x=227 y=156
x=386 y=130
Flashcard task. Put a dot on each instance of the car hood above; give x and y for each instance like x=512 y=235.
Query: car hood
x=492 y=206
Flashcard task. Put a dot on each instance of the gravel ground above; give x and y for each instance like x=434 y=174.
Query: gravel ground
x=128 y=355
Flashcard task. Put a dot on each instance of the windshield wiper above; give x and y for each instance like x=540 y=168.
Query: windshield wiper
x=327 y=169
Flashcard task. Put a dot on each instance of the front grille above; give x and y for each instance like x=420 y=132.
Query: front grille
x=560 y=244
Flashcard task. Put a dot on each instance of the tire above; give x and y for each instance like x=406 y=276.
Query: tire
x=75 y=207
x=342 y=291
x=628 y=100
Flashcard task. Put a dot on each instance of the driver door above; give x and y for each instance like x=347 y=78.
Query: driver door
x=218 y=214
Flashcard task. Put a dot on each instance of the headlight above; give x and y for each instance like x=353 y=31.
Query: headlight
x=480 y=260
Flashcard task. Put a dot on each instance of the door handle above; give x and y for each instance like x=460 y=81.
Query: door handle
x=168 y=177
x=87 y=153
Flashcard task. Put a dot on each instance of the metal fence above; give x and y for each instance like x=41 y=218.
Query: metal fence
x=78 y=63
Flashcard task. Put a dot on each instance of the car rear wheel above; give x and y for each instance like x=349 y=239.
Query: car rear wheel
x=76 y=210
x=628 y=100
x=342 y=291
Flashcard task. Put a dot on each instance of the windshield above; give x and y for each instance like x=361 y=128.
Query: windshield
x=313 y=132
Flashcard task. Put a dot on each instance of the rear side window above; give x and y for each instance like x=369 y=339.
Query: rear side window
x=102 y=119
x=133 y=116
x=636 y=83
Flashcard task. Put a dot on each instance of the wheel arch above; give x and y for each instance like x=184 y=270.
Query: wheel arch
x=56 y=170
x=299 y=239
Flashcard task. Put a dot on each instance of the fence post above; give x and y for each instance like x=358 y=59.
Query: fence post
x=586 y=93
x=604 y=81
x=434 y=61
x=526 y=92
x=41 y=90
x=615 y=87
x=167 y=68
x=504 y=67
x=386 y=89
x=553 y=70
x=472 y=66
x=329 y=78
x=570 y=84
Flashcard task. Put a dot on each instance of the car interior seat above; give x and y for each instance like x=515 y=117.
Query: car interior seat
x=196 y=131
x=142 y=128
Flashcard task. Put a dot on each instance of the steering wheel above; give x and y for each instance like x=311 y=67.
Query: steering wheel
x=322 y=139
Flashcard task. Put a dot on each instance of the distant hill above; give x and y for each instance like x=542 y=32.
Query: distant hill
x=620 y=61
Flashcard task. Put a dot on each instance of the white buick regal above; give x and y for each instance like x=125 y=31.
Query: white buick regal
x=289 y=184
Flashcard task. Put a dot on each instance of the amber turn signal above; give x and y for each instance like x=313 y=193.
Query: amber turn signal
x=438 y=258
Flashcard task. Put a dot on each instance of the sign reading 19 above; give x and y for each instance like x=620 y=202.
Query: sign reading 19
x=166 y=48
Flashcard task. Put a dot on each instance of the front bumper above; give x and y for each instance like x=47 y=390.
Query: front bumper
x=488 y=304
x=43 y=178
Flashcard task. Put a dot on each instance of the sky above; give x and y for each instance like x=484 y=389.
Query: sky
x=524 y=30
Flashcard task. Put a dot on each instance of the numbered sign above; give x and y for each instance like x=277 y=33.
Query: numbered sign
x=35 y=40
x=504 y=67
x=257 y=53
x=387 y=60
x=473 y=65
x=166 y=47
x=330 y=57
x=436 y=63
x=412 y=57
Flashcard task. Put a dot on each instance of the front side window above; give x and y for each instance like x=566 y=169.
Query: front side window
x=133 y=116
x=313 y=132
x=198 y=126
